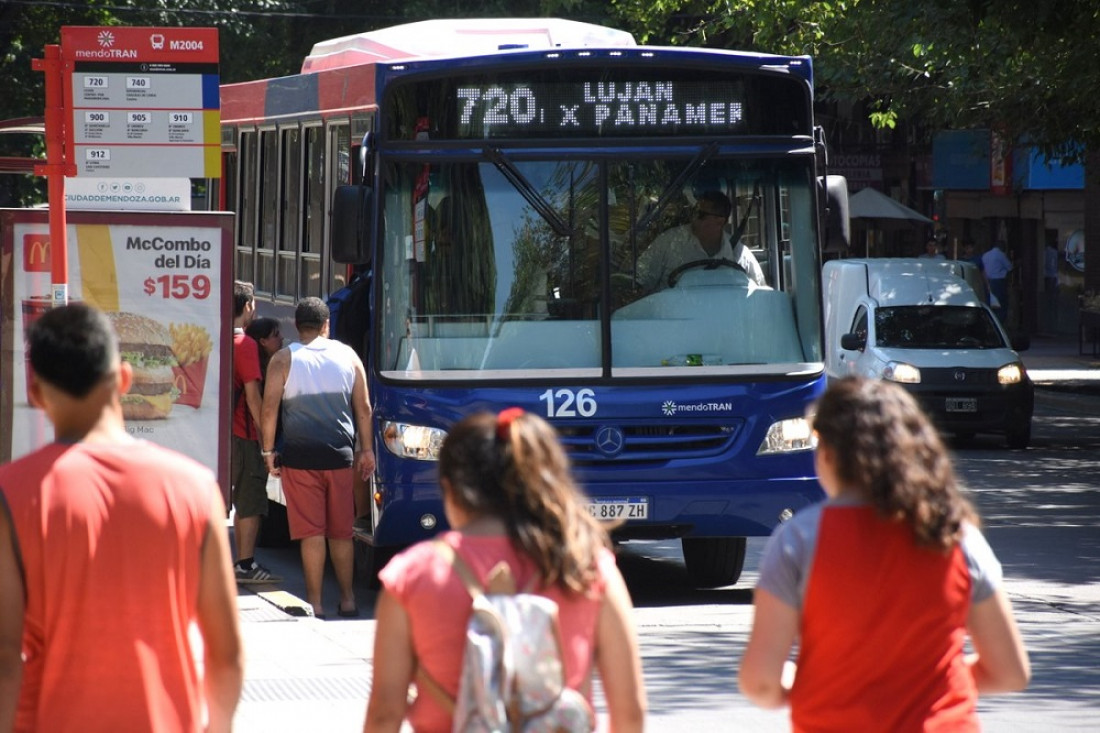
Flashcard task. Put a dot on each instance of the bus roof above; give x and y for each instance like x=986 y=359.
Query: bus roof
x=461 y=37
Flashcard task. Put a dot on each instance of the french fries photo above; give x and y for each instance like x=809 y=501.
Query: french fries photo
x=191 y=345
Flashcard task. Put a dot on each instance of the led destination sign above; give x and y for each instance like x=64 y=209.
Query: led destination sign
x=628 y=102
x=599 y=107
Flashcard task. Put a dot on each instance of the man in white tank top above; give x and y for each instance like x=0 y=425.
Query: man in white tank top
x=319 y=388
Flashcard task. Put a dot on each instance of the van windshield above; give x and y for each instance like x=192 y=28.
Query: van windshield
x=936 y=327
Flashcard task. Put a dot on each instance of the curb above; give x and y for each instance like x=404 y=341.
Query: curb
x=286 y=602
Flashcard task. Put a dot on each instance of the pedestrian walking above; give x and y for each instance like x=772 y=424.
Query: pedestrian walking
x=248 y=475
x=881 y=584
x=111 y=550
x=509 y=497
x=997 y=265
x=317 y=388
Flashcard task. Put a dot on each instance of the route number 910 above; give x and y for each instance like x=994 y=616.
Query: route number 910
x=567 y=403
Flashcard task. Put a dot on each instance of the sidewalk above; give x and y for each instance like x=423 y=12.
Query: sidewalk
x=1055 y=362
x=304 y=674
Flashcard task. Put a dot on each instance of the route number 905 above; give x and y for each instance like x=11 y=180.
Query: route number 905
x=567 y=403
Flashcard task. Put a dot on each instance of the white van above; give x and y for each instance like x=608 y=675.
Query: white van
x=920 y=323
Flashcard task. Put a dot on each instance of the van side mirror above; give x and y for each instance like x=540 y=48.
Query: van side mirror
x=1020 y=341
x=853 y=342
x=351 y=225
x=837 y=233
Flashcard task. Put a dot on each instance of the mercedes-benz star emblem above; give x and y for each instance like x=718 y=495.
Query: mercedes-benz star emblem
x=609 y=440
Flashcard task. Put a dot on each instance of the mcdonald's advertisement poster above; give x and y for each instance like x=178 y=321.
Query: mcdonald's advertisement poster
x=165 y=282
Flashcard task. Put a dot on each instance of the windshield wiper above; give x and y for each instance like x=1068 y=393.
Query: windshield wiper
x=675 y=187
x=521 y=184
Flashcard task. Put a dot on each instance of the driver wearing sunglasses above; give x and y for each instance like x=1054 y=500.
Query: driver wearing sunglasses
x=705 y=237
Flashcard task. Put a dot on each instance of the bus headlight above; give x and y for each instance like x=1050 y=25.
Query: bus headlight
x=1010 y=374
x=413 y=441
x=899 y=371
x=788 y=436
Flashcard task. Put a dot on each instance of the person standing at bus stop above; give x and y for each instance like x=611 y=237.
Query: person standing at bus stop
x=881 y=584
x=111 y=548
x=248 y=473
x=319 y=388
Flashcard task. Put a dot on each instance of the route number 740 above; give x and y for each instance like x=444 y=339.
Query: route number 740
x=567 y=403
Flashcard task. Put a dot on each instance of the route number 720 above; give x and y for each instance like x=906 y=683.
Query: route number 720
x=567 y=403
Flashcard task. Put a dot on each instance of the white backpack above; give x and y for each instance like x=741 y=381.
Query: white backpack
x=512 y=678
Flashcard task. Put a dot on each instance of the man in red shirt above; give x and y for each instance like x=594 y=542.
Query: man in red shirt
x=111 y=550
x=249 y=474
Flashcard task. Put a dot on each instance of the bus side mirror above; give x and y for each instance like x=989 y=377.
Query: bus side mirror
x=852 y=342
x=351 y=225
x=838 y=232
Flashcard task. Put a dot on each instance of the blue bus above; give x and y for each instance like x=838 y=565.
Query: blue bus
x=523 y=201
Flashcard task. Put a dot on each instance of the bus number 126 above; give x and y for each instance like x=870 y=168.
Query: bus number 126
x=567 y=403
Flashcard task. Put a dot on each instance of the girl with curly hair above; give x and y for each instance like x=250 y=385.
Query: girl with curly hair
x=881 y=584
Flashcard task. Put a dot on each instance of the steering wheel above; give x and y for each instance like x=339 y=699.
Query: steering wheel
x=674 y=276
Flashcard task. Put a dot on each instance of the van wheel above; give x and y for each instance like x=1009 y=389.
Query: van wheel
x=1019 y=437
x=713 y=562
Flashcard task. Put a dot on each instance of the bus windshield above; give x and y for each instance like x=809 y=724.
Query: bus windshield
x=499 y=267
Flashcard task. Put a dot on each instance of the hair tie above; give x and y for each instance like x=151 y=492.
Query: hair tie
x=505 y=418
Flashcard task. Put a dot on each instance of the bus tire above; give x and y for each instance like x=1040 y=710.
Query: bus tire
x=369 y=560
x=713 y=562
x=274 y=529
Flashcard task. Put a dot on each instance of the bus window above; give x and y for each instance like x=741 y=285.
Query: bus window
x=244 y=205
x=671 y=299
x=340 y=154
x=313 y=230
x=286 y=283
x=269 y=211
x=486 y=261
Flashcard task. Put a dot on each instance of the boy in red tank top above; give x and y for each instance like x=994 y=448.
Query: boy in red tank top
x=111 y=548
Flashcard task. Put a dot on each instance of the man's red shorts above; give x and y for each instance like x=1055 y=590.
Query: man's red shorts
x=319 y=503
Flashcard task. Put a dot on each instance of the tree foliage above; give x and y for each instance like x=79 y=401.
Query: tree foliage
x=1021 y=67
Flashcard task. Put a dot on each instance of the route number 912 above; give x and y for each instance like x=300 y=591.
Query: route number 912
x=567 y=403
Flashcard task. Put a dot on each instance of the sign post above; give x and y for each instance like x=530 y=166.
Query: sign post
x=55 y=170
x=126 y=102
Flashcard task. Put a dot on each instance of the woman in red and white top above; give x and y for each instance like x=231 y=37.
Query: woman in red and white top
x=508 y=496
x=881 y=584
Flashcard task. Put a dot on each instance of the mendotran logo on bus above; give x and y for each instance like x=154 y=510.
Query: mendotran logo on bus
x=670 y=408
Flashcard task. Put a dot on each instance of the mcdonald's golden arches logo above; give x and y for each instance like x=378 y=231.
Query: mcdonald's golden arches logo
x=36 y=252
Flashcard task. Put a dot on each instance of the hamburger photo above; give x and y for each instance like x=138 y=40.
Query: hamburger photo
x=147 y=346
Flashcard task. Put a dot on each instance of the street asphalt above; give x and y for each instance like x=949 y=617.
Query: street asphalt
x=294 y=659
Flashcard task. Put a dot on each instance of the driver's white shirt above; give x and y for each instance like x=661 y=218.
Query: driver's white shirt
x=678 y=246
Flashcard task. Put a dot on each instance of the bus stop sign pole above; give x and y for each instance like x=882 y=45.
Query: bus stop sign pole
x=55 y=169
